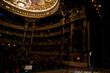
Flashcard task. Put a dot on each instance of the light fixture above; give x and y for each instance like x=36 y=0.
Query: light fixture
x=9 y=44
x=78 y=58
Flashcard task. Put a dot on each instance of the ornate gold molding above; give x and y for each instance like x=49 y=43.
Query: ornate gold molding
x=34 y=10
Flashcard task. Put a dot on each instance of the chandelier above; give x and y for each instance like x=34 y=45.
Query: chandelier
x=31 y=8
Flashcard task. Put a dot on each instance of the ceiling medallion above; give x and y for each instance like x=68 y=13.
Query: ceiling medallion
x=31 y=8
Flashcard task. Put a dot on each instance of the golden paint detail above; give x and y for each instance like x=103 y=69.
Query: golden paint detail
x=32 y=9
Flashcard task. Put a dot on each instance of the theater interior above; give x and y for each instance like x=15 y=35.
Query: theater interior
x=53 y=36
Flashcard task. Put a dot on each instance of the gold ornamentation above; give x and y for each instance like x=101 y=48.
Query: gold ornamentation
x=48 y=0
x=40 y=2
x=32 y=8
